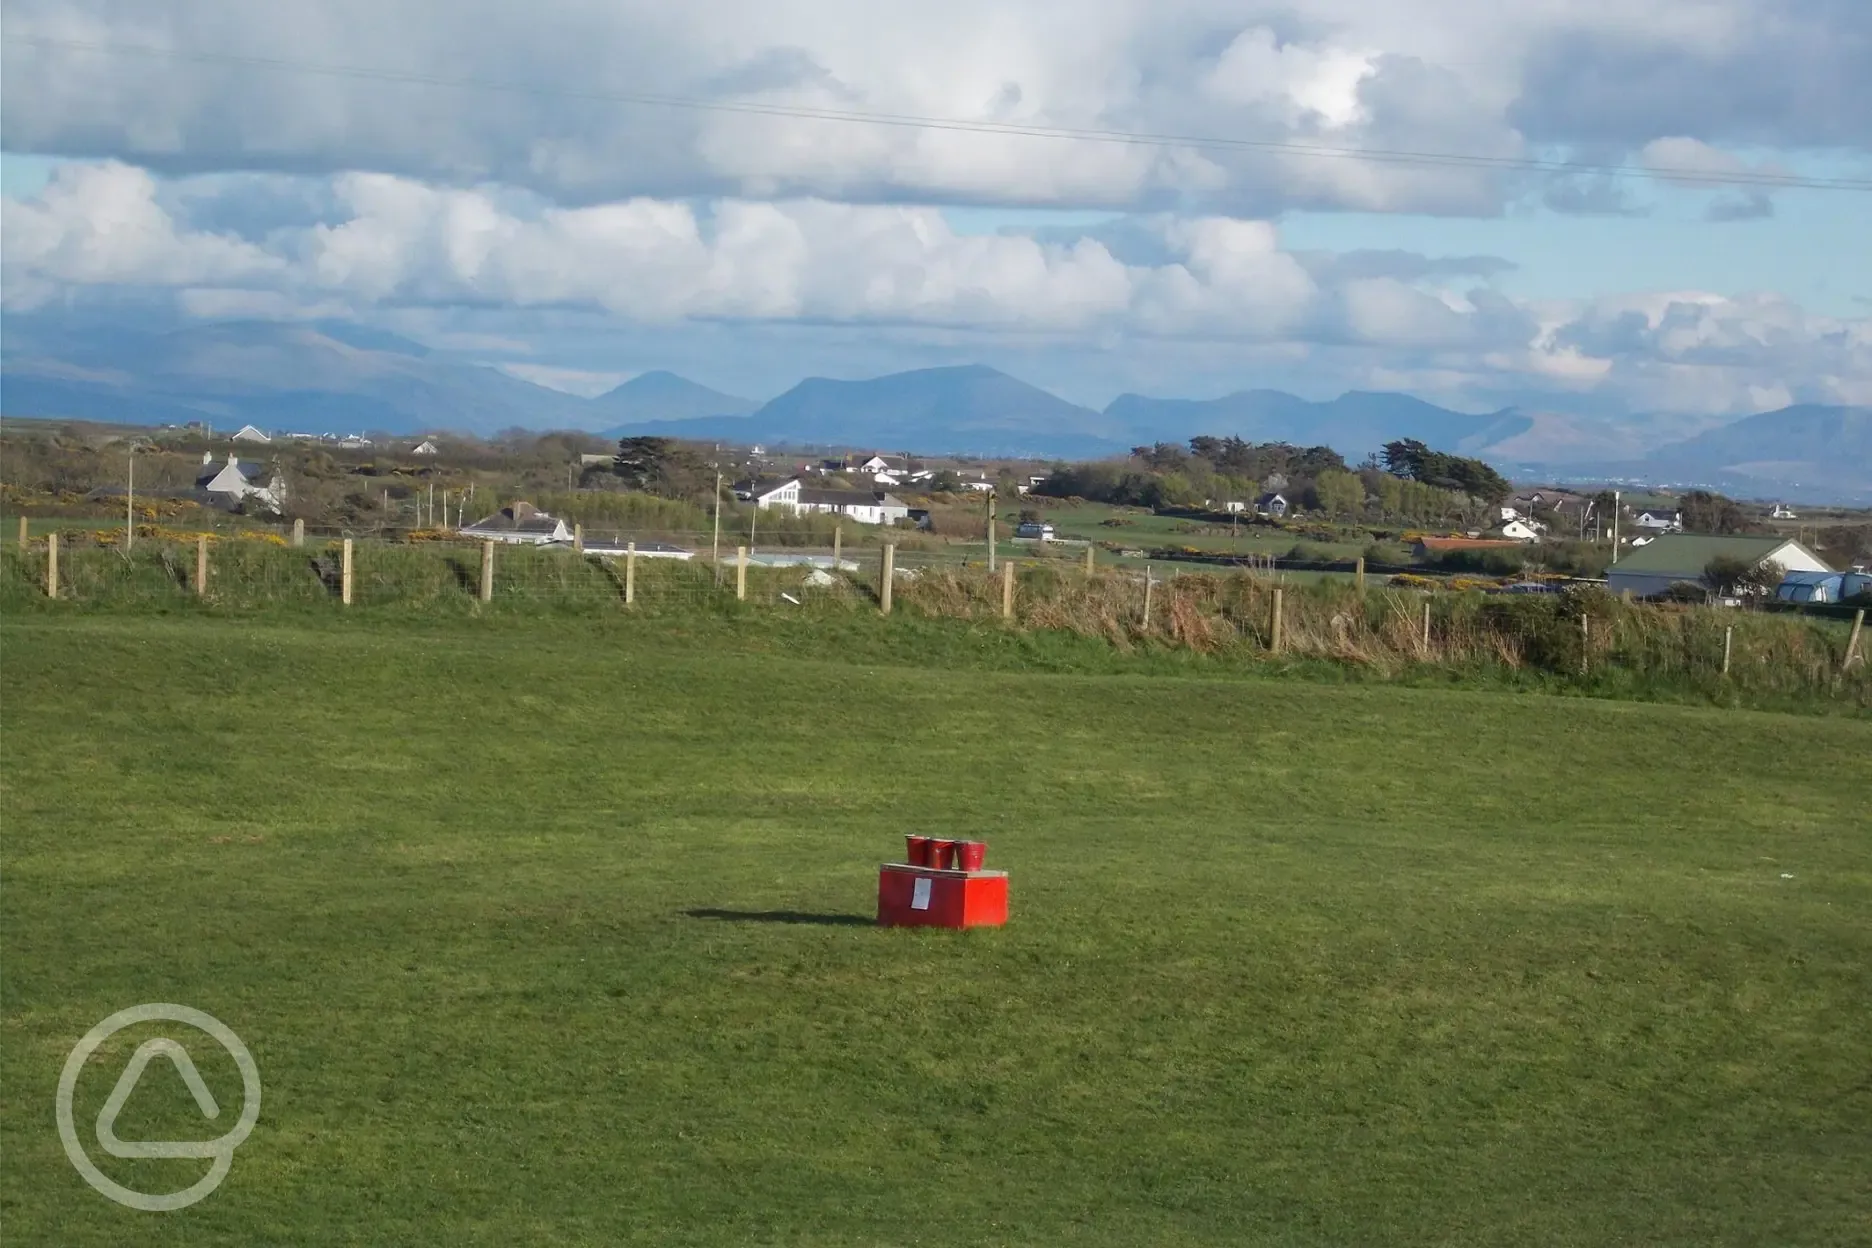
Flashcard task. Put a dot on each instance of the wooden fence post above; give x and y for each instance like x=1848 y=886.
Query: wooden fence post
x=1852 y=642
x=1149 y=585
x=298 y=536
x=740 y=574
x=630 y=573
x=51 y=566
x=201 y=565
x=1728 y=643
x=344 y=574
x=1277 y=628
x=887 y=572
x=1007 y=590
x=1585 y=637
x=22 y=539
x=1359 y=572
x=1624 y=596
x=991 y=533
x=487 y=571
x=1426 y=628
x=1091 y=559
x=578 y=538
x=838 y=545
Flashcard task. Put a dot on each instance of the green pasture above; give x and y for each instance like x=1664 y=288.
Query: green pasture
x=556 y=931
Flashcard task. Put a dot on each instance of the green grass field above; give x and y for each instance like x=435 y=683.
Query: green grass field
x=556 y=932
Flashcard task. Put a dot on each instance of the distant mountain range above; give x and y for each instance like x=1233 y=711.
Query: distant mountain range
x=337 y=377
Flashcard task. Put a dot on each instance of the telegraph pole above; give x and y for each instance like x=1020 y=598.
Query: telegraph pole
x=991 y=532
x=130 y=503
x=715 y=550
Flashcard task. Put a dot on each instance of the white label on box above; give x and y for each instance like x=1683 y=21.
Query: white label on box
x=920 y=893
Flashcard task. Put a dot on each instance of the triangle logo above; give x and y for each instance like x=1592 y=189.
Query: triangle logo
x=126 y=1084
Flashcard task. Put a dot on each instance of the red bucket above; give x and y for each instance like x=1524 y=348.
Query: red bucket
x=970 y=855
x=941 y=853
x=916 y=850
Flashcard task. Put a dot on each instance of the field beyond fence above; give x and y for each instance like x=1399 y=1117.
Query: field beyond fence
x=1581 y=638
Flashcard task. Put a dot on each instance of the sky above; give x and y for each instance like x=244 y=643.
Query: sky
x=1582 y=205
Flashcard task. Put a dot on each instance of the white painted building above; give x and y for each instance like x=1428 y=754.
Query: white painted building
x=1659 y=521
x=238 y=483
x=522 y=524
x=247 y=433
x=427 y=447
x=1520 y=531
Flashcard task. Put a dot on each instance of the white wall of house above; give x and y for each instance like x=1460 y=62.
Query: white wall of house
x=786 y=495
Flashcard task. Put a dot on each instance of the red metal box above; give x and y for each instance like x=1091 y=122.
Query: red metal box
x=928 y=897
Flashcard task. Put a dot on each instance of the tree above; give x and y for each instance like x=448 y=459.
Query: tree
x=1726 y=575
x=1411 y=459
x=1704 y=512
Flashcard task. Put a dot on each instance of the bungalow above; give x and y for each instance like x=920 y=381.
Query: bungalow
x=864 y=506
x=1272 y=505
x=1683 y=556
x=884 y=463
x=521 y=524
x=1659 y=520
x=234 y=484
x=247 y=433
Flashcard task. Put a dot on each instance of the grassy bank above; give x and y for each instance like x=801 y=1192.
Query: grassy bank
x=1583 y=641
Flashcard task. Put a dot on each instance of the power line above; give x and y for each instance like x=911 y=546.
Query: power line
x=1755 y=178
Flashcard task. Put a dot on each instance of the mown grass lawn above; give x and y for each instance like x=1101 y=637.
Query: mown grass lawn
x=493 y=903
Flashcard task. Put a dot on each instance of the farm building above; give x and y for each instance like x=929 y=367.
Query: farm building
x=1036 y=530
x=1675 y=557
x=520 y=524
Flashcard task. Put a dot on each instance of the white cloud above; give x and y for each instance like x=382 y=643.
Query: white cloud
x=100 y=224
x=400 y=248
x=1413 y=75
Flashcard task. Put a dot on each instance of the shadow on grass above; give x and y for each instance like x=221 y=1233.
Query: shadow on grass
x=784 y=916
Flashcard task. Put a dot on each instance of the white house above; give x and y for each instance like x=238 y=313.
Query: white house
x=1675 y=557
x=247 y=433
x=979 y=484
x=1659 y=521
x=864 y=506
x=1272 y=505
x=237 y=483
x=1520 y=531
x=1783 y=512
x=884 y=463
x=521 y=524
x=356 y=441
x=427 y=447
x=765 y=494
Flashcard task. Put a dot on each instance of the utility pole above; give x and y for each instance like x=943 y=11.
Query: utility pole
x=130 y=504
x=991 y=532
x=715 y=549
x=1615 y=518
